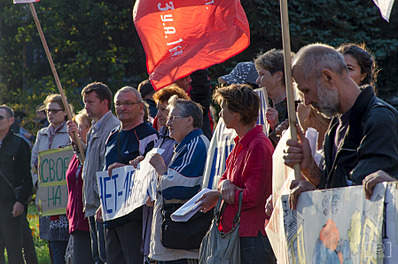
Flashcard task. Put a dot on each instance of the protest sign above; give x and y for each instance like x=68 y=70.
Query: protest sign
x=282 y=176
x=222 y=143
x=182 y=36
x=325 y=228
x=53 y=192
x=390 y=239
x=115 y=192
x=127 y=188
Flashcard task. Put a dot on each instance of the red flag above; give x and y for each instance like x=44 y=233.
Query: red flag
x=182 y=36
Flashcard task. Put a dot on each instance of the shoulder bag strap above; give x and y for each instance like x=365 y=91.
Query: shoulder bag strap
x=219 y=209
x=237 y=216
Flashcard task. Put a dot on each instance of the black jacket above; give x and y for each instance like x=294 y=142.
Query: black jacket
x=15 y=166
x=370 y=143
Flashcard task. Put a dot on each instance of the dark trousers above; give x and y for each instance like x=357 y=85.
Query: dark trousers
x=57 y=251
x=180 y=261
x=123 y=243
x=97 y=240
x=81 y=247
x=29 y=251
x=256 y=250
x=11 y=233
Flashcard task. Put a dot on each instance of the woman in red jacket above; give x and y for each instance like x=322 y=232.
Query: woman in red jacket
x=79 y=239
x=248 y=170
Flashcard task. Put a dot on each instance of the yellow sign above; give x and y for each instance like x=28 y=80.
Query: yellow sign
x=53 y=192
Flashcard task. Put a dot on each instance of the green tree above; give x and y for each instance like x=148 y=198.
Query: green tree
x=93 y=40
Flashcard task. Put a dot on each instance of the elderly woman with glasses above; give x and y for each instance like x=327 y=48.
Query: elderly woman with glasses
x=183 y=177
x=248 y=170
x=54 y=229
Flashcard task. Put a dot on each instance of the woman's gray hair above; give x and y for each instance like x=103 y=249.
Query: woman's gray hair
x=187 y=108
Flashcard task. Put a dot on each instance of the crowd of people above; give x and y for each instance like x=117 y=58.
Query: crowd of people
x=335 y=94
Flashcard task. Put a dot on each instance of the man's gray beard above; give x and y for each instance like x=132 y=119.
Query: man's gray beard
x=328 y=101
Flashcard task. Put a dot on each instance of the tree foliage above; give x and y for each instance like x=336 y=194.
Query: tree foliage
x=93 y=40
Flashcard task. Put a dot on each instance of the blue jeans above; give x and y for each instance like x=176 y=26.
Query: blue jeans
x=97 y=240
x=57 y=251
x=255 y=250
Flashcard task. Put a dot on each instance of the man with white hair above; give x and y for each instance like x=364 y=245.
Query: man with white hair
x=133 y=138
x=363 y=135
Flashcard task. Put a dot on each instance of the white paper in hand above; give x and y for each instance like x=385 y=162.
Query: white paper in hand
x=188 y=209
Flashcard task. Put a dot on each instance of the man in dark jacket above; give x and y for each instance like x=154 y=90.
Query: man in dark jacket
x=363 y=135
x=15 y=185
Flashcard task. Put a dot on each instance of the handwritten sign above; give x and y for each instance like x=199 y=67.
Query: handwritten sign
x=127 y=188
x=53 y=192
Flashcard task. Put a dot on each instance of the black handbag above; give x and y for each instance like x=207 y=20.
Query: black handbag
x=184 y=235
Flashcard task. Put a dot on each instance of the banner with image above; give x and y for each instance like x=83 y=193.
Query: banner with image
x=328 y=227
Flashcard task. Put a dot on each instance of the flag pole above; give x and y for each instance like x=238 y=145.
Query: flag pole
x=54 y=71
x=291 y=109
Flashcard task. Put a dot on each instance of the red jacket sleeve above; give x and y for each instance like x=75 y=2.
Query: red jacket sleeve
x=256 y=174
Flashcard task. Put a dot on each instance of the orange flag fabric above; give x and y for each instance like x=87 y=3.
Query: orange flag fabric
x=182 y=36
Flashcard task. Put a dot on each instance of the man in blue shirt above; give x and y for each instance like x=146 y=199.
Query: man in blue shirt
x=132 y=138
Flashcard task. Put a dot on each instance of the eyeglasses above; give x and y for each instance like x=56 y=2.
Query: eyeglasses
x=172 y=118
x=118 y=104
x=53 y=110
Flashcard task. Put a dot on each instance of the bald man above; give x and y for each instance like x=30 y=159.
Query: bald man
x=363 y=135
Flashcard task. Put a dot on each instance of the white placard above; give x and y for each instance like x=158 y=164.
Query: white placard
x=127 y=188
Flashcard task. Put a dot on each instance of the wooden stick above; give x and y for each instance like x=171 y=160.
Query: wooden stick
x=54 y=71
x=291 y=109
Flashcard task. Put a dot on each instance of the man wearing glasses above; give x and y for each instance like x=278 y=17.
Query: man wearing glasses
x=15 y=185
x=133 y=138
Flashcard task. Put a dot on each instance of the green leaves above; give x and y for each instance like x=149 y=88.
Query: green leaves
x=93 y=40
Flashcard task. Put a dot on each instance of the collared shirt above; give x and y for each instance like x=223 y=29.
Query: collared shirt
x=95 y=126
x=249 y=167
x=52 y=131
x=167 y=143
x=341 y=131
x=370 y=143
